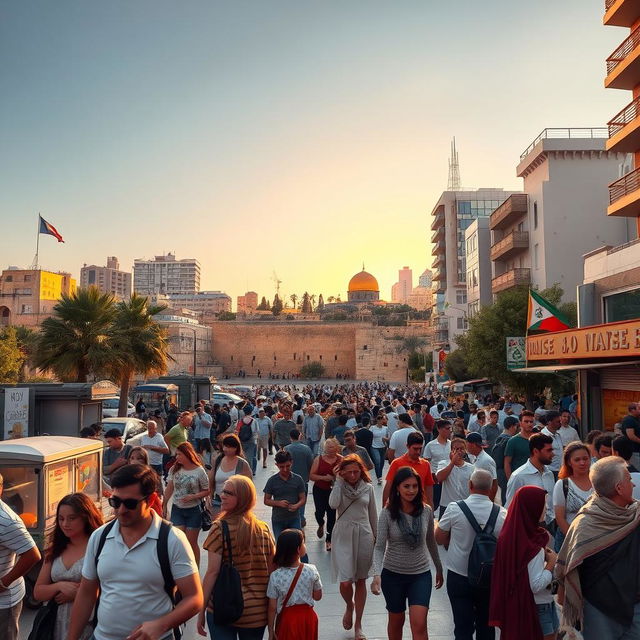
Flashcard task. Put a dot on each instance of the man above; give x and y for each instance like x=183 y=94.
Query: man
x=415 y=443
x=491 y=430
x=364 y=436
x=283 y=427
x=566 y=431
x=222 y=420
x=332 y=423
x=312 y=427
x=265 y=426
x=483 y=460
x=631 y=428
x=352 y=422
x=248 y=436
x=115 y=454
x=133 y=602
x=516 y=452
x=602 y=447
x=285 y=492
x=341 y=429
x=534 y=472
x=179 y=433
x=302 y=459
x=202 y=423
x=454 y=474
x=392 y=417
x=622 y=447
x=469 y=603
x=351 y=448
x=155 y=445
x=599 y=565
x=498 y=451
x=436 y=451
x=551 y=429
x=398 y=442
x=472 y=424
x=18 y=554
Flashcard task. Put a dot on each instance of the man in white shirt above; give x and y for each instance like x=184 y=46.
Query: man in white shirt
x=469 y=604
x=436 y=451
x=534 y=472
x=551 y=429
x=155 y=445
x=201 y=425
x=398 y=442
x=454 y=474
x=566 y=431
x=133 y=601
x=472 y=425
x=392 y=420
x=483 y=460
x=18 y=554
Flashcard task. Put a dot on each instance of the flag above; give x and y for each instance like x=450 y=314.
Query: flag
x=543 y=316
x=48 y=229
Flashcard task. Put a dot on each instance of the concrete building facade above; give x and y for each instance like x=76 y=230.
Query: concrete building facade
x=109 y=279
x=166 y=275
x=402 y=289
x=477 y=239
x=206 y=304
x=246 y=304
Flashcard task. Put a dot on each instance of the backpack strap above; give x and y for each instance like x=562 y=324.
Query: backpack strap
x=469 y=516
x=162 y=549
x=491 y=523
x=103 y=539
x=565 y=488
x=226 y=541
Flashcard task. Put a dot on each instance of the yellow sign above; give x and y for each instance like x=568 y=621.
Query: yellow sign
x=601 y=341
x=615 y=404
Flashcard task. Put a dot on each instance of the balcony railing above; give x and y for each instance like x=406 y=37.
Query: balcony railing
x=439 y=234
x=517 y=203
x=592 y=132
x=511 y=278
x=626 y=185
x=514 y=240
x=627 y=115
x=623 y=51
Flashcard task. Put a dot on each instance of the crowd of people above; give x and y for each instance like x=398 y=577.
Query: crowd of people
x=537 y=525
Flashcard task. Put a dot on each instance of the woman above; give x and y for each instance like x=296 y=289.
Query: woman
x=252 y=548
x=228 y=463
x=353 y=537
x=380 y=440
x=188 y=484
x=76 y=519
x=401 y=563
x=204 y=452
x=524 y=609
x=323 y=476
x=573 y=489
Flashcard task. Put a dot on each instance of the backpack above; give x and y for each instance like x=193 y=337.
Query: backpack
x=162 y=549
x=498 y=449
x=246 y=432
x=226 y=596
x=483 y=550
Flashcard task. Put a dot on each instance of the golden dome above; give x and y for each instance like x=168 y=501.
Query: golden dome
x=363 y=281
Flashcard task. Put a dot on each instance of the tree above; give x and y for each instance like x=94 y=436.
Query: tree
x=75 y=342
x=11 y=356
x=313 y=369
x=456 y=367
x=27 y=342
x=294 y=300
x=264 y=305
x=312 y=300
x=320 y=302
x=277 y=306
x=227 y=315
x=139 y=342
x=331 y=299
x=306 y=303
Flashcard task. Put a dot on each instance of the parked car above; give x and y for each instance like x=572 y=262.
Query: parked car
x=221 y=397
x=110 y=408
x=128 y=427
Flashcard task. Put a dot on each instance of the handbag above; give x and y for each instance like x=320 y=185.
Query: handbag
x=44 y=624
x=292 y=586
x=227 y=599
x=206 y=517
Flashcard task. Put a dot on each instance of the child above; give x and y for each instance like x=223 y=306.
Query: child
x=297 y=620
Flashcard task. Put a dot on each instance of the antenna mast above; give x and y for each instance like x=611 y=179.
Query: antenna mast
x=454 y=183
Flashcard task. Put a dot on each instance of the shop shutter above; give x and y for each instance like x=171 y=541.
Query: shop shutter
x=625 y=378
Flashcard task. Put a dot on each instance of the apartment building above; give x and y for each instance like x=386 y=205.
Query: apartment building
x=166 y=275
x=246 y=304
x=109 y=279
x=477 y=239
x=205 y=304
x=421 y=297
x=401 y=290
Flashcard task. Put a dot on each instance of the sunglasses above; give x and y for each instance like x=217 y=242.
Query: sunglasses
x=129 y=503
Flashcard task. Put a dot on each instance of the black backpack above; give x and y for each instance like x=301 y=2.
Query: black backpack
x=226 y=597
x=246 y=432
x=484 y=546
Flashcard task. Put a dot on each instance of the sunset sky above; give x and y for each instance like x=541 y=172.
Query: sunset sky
x=288 y=135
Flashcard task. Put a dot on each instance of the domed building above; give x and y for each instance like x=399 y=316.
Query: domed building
x=363 y=288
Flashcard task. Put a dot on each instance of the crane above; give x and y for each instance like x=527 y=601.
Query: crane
x=277 y=282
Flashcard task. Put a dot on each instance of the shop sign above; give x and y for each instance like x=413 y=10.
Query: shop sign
x=516 y=353
x=16 y=412
x=617 y=339
x=615 y=405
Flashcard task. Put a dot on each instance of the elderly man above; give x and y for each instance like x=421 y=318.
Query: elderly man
x=599 y=564
x=312 y=428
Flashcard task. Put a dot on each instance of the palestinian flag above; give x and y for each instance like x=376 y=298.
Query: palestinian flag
x=543 y=316
x=48 y=229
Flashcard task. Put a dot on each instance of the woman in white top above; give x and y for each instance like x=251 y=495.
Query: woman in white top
x=573 y=489
x=229 y=463
x=380 y=433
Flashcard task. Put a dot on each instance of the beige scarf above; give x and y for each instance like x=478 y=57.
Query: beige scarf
x=598 y=525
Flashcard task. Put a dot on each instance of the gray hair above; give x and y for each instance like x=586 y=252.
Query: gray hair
x=606 y=473
x=481 y=480
x=152 y=422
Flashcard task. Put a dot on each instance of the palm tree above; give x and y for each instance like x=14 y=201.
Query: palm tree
x=139 y=342
x=312 y=300
x=294 y=299
x=330 y=299
x=74 y=343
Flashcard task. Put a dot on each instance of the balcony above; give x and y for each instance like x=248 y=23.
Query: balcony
x=438 y=235
x=513 y=207
x=440 y=260
x=623 y=65
x=624 y=129
x=438 y=218
x=621 y=13
x=624 y=196
x=438 y=247
x=511 y=244
x=512 y=278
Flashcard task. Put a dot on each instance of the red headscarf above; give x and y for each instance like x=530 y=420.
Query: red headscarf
x=512 y=606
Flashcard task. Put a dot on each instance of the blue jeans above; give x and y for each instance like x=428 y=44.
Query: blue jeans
x=313 y=445
x=249 y=449
x=229 y=632
x=378 y=460
x=293 y=522
x=598 y=626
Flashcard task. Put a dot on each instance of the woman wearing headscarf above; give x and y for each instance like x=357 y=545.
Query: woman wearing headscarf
x=523 y=609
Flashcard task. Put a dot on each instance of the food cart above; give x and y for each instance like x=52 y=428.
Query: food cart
x=38 y=472
x=155 y=396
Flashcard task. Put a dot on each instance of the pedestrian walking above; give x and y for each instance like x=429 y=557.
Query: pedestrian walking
x=380 y=433
x=436 y=451
x=155 y=446
x=352 y=448
x=323 y=476
x=517 y=450
x=482 y=460
x=229 y=462
x=312 y=429
x=497 y=452
x=454 y=475
x=302 y=460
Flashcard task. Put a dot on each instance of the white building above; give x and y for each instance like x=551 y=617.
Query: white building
x=205 y=304
x=109 y=279
x=164 y=274
x=401 y=290
x=477 y=239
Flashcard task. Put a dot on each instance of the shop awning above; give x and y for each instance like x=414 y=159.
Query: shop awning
x=552 y=368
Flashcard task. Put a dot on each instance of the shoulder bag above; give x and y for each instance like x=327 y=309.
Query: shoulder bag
x=292 y=586
x=226 y=599
x=44 y=625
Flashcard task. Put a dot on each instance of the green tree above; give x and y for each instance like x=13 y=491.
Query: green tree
x=27 y=342
x=12 y=357
x=294 y=300
x=456 y=367
x=312 y=300
x=306 y=303
x=277 y=306
x=227 y=315
x=320 y=302
x=313 y=369
x=75 y=342
x=264 y=305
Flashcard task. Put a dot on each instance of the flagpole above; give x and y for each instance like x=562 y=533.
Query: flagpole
x=34 y=266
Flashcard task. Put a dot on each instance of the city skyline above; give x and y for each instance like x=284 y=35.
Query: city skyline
x=139 y=130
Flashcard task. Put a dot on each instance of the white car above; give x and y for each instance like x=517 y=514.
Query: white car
x=221 y=397
x=128 y=427
x=110 y=408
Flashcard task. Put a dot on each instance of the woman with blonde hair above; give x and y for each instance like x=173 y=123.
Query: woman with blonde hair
x=252 y=549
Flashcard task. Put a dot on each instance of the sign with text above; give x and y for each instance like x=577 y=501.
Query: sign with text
x=16 y=413
x=516 y=352
x=600 y=341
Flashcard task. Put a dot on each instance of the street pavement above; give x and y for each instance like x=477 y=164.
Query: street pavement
x=331 y=608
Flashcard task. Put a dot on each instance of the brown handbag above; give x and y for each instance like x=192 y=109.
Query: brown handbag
x=292 y=586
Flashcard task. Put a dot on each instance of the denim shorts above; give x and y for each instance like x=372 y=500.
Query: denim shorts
x=190 y=518
x=548 y=616
x=398 y=588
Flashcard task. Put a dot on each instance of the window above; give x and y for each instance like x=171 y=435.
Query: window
x=21 y=493
x=461 y=297
x=462 y=322
x=622 y=306
x=320 y=357
x=363 y=348
x=9 y=279
x=336 y=357
x=26 y=308
x=535 y=215
x=294 y=356
x=27 y=277
x=535 y=256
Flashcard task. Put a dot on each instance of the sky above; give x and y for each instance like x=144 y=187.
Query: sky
x=276 y=136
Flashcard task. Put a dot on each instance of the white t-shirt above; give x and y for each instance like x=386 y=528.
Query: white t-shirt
x=392 y=422
x=539 y=579
x=398 y=441
x=156 y=441
x=435 y=452
x=568 y=434
x=456 y=486
x=280 y=582
x=378 y=434
x=486 y=462
x=557 y=449
x=576 y=498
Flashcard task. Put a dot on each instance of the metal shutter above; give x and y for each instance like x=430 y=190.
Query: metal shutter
x=625 y=378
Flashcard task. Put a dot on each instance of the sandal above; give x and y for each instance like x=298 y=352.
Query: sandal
x=328 y=546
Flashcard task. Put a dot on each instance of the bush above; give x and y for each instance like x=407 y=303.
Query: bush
x=312 y=370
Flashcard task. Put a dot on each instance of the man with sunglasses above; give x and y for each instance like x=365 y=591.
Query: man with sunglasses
x=133 y=603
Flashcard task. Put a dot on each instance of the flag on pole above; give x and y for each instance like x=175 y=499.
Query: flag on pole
x=543 y=316
x=48 y=229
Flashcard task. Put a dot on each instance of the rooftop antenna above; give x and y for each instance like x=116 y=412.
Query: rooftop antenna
x=277 y=281
x=454 y=184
